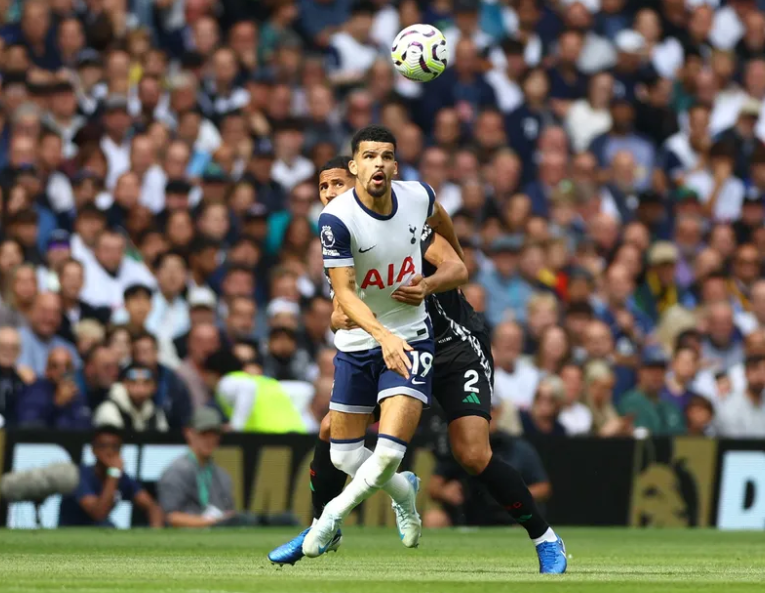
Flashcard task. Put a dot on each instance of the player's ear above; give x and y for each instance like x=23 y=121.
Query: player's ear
x=353 y=168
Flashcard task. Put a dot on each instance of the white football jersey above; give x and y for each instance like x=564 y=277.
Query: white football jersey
x=385 y=252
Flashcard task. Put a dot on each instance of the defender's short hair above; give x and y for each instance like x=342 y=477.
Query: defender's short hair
x=338 y=162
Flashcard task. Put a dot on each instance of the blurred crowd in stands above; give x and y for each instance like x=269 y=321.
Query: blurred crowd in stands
x=603 y=162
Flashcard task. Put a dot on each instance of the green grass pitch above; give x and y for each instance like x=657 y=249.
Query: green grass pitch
x=374 y=561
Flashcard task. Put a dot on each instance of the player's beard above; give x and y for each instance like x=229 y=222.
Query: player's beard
x=378 y=191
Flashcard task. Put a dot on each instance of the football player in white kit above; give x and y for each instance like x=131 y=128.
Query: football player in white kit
x=371 y=246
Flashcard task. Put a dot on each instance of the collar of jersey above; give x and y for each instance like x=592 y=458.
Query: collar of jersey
x=374 y=214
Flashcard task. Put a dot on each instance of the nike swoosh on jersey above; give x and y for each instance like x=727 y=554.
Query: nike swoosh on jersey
x=368 y=249
x=416 y=382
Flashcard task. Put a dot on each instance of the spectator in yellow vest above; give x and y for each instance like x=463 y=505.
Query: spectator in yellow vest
x=252 y=403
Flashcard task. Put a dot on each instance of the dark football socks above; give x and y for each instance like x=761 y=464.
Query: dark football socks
x=326 y=480
x=507 y=487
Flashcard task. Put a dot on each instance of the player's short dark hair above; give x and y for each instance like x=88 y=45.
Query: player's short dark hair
x=109 y=429
x=373 y=133
x=222 y=362
x=144 y=335
x=338 y=162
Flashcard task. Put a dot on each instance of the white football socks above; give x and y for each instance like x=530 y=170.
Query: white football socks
x=547 y=536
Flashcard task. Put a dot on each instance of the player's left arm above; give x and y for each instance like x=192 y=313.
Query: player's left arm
x=442 y=224
x=450 y=273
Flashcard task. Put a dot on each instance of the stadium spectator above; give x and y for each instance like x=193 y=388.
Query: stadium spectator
x=599 y=381
x=72 y=279
x=171 y=396
x=130 y=405
x=699 y=417
x=515 y=379
x=13 y=377
x=39 y=338
x=644 y=404
x=194 y=491
x=103 y=484
x=252 y=403
x=575 y=416
x=742 y=414
x=202 y=342
x=19 y=295
x=99 y=372
x=55 y=401
x=542 y=418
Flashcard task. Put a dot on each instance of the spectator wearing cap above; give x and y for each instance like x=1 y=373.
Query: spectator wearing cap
x=111 y=272
x=644 y=403
x=252 y=403
x=63 y=118
x=55 y=401
x=171 y=395
x=283 y=359
x=203 y=305
x=71 y=279
x=723 y=344
x=169 y=316
x=194 y=491
x=39 y=338
x=742 y=136
x=507 y=292
x=742 y=414
x=660 y=291
x=57 y=253
x=130 y=405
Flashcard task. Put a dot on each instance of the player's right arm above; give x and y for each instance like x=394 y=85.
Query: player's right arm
x=393 y=348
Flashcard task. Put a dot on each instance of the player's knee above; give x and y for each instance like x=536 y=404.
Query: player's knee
x=324 y=428
x=348 y=459
x=388 y=457
x=472 y=456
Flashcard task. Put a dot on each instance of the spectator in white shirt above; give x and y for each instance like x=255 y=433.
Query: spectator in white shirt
x=589 y=118
x=115 y=142
x=742 y=415
x=169 y=317
x=720 y=191
x=290 y=167
x=515 y=380
x=353 y=50
x=575 y=417
x=111 y=272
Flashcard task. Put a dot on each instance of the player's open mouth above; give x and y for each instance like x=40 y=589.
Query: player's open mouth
x=378 y=178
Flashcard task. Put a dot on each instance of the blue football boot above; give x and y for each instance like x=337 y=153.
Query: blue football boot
x=292 y=551
x=552 y=557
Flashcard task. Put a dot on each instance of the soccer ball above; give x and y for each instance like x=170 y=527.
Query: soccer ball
x=419 y=53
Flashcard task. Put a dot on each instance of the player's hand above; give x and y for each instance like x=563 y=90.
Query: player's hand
x=413 y=294
x=341 y=321
x=452 y=493
x=394 y=351
x=115 y=461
